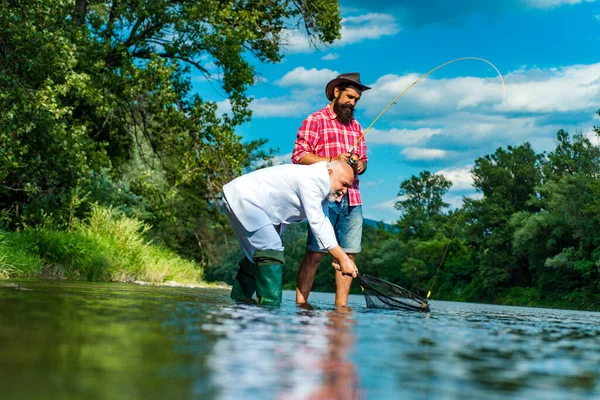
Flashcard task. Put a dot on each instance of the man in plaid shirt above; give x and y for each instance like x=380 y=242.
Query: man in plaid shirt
x=329 y=134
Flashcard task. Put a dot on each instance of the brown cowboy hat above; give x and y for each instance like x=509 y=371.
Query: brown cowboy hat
x=350 y=79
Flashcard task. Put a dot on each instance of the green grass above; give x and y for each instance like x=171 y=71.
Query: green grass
x=104 y=247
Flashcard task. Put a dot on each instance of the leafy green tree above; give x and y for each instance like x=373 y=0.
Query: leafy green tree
x=572 y=155
x=507 y=180
x=561 y=239
x=101 y=90
x=421 y=204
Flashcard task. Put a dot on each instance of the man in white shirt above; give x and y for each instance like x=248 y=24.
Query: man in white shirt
x=259 y=206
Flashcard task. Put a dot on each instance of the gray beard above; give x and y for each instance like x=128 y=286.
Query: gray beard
x=333 y=196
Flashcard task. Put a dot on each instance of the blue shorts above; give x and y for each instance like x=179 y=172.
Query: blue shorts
x=347 y=223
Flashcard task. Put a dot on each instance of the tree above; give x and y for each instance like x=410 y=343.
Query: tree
x=421 y=204
x=507 y=180
x=99 y=88
x=560 y=240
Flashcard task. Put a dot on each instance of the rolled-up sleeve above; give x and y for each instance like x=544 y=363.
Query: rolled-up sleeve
x=306 y=141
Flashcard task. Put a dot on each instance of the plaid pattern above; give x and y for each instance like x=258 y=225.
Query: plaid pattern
x=324 y=135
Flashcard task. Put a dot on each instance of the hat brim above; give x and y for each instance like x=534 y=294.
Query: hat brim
x=338 y=81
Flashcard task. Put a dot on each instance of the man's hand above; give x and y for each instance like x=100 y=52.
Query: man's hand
x=346 y=267
x=343 y=157
x=360 y=167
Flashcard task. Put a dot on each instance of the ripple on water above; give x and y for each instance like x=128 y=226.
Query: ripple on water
x=78 y=340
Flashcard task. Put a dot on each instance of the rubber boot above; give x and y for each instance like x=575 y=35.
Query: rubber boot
x=244 y=284
x=269 y=277
x=269 y=282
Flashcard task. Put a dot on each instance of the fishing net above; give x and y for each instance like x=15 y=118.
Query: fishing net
x=383 y=294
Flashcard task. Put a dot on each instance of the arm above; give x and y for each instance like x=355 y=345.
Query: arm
x=342 y=262
x=307 y=141
x=310 y=158
x=361 y=167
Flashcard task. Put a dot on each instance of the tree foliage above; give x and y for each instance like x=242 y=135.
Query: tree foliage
x=99 y=107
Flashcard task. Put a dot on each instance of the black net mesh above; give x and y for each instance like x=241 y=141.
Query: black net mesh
x=383 y=294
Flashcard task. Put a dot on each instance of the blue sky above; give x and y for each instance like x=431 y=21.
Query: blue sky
x=546 y=50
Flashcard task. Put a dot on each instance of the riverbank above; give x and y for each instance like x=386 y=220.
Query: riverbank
x=106 y=246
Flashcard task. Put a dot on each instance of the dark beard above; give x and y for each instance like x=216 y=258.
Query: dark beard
x=344 y=112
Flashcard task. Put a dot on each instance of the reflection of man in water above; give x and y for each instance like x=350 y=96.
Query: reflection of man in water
x=323 y=369
x=340 y=380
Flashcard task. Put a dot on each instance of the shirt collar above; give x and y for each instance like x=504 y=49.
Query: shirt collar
x=330 y=113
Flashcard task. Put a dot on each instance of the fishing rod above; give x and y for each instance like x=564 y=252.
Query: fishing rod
x=354 y=157
x=388 y=293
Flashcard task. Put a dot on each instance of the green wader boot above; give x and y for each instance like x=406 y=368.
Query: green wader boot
x=244 y=284
x=269 y=277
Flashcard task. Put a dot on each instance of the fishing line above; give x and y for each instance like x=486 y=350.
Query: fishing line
x=423 y=76
x=388 y=294
x=443 y=258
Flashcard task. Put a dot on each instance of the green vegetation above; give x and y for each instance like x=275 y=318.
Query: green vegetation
x=104 y=247
x=98 y=111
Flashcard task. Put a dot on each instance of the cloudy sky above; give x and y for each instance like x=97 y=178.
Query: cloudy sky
x=546 y=50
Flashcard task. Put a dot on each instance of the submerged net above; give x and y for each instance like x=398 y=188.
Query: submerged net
x=383 y=294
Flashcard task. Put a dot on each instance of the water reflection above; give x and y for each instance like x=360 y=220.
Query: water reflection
x=108 y=341
x=339 y=375
x=276 y=353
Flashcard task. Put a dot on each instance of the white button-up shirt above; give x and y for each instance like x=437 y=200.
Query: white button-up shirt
x=281 y=195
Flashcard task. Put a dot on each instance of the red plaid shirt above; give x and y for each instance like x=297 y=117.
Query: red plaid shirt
x=324 y=135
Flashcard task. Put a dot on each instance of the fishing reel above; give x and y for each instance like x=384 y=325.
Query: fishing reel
x=353 y=160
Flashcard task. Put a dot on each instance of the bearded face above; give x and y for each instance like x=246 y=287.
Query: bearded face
x=334 y=195
x=344 y=111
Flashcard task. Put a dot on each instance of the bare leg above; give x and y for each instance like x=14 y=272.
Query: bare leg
x=306 y=275
x=342 y=286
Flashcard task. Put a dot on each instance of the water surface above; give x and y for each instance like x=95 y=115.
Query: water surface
x=66 y=340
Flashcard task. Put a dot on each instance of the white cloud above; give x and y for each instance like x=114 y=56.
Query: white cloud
x=387 y=205
x=368 y=26
x=564 y=89
x=402 y=137
x=461 y=177
x=592 y=136
x=279 y=107
x=465 y=114
x=330 y=57
x=555 y=3
x=301 y=76
x=295 y=41
x=223 y=107
x=371 y=183
x=456 y=201
x=355 y=29
x=282 y=159
x=419 y=153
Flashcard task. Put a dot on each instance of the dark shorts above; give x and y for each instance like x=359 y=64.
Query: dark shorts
x=347 y=223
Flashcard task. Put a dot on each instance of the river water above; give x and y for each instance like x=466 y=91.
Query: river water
x=72 y=340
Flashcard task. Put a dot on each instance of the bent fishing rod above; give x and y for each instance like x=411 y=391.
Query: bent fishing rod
x=354 y=157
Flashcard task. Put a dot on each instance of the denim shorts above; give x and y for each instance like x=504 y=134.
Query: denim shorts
x=347 y=223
